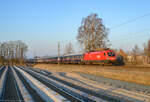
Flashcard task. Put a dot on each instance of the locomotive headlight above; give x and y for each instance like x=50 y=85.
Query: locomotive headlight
x=107 y=58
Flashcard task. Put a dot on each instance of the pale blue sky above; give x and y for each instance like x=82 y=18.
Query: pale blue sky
x=42 y=23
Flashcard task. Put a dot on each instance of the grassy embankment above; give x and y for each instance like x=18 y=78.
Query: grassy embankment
x=132 y=73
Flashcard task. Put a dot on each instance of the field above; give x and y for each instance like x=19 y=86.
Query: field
x=131 y=73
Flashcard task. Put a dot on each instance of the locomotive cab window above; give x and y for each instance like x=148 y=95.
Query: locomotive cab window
x=111 y=54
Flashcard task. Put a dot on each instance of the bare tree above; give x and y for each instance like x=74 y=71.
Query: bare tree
x=146 y=52
x=123 y=54
x=92 y=34
x=13 y=51
x=135 y=53
x=22 y=49
x=69 y=49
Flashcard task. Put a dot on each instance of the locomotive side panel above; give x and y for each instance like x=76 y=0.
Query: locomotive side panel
x=99 y=57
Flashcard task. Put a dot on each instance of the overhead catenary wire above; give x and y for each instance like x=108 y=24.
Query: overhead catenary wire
x=126 y=40
x=132 y=35
x=136 y=33
x=129 y=21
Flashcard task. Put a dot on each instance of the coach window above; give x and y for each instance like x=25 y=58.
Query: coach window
x=104 y=54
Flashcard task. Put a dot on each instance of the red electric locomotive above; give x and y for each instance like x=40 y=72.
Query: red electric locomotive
x=106 y=56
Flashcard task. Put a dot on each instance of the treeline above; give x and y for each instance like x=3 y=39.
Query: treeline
x=13 y=52
x=137 y=55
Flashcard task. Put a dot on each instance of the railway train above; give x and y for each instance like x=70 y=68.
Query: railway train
x=98 y=57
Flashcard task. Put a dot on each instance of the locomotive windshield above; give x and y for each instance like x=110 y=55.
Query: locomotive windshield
x=111 y=54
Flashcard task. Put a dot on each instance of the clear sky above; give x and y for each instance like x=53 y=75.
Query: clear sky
x=42 y=23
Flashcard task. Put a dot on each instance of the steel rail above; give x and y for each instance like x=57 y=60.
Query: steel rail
x=46 y=92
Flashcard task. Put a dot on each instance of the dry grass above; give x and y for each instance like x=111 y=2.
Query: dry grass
x=130 y=73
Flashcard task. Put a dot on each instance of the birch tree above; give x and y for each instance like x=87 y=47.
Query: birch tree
x=92 y=34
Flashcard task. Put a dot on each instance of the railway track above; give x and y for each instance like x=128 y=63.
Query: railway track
x=11 y=91
x=111 y=96
x=85 y=93
x=19 y=88
x=69 y=96
x=19 y=84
